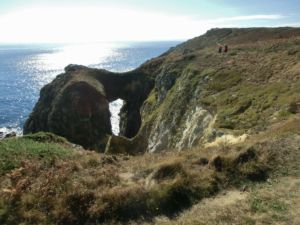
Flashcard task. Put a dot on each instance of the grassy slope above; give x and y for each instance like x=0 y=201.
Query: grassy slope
x=251 y=87
x=274 y=201
x=49 y=181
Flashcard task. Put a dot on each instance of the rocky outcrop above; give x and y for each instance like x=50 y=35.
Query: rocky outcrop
x=189 y=96
x=76 y=105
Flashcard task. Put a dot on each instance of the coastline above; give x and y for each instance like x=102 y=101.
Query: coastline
x=26 y=68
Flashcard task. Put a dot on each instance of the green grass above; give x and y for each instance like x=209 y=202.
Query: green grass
x=45 y=137
x=247 y=106
x=283 y=113
x=224 y=80
x=16 y=150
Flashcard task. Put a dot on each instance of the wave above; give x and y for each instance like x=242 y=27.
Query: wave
x=7 y=130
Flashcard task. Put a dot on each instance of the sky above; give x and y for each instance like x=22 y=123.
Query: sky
x=53 y=21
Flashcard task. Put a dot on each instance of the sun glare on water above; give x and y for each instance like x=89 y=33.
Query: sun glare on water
x=89 y=54
x=48 y=65
x=83 y=54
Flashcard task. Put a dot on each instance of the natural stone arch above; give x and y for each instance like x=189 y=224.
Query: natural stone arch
x=76 y=105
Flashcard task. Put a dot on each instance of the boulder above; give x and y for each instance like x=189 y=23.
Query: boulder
x=10 y=135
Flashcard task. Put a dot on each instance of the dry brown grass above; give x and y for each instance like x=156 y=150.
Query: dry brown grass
x=90 y=188
x=274 y=202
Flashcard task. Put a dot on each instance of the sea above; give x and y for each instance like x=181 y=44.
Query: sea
x=26 y=68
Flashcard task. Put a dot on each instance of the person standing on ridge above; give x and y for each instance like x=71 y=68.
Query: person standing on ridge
x=220 y=48
x=226 y=48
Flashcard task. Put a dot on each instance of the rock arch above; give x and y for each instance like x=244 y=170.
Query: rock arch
x=76 y=105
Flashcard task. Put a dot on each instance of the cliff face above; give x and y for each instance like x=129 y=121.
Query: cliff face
x=203 y=97
x=188 y=96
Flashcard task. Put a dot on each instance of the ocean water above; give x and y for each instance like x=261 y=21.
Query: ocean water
x=25 y=69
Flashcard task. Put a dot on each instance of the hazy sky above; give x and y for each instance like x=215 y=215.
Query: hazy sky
x=123 y=20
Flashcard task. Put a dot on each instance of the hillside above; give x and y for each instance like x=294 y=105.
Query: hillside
x=173 y=101
x=200 y=94
x=206 y=138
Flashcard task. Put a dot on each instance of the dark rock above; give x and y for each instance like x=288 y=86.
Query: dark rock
x=130 y=119
x=244 y=188
x=217 y=162
x=163 y=83
x=76 y=105
x=202 y=161
x=294 y=107
x=74 y=67
x=246 y=156
x=10 y=135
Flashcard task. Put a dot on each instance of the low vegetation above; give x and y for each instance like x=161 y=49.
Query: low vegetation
x=46 y=180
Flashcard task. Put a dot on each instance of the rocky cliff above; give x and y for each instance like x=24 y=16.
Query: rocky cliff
x=76 y=105
x=191 y=95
